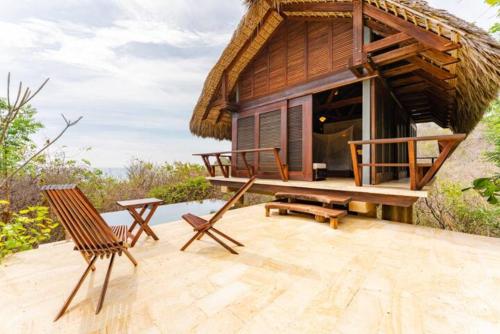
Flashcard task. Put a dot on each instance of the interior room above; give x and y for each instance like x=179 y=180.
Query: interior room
x=336 y=120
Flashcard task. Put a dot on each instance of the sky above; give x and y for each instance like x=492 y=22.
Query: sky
x=133 y=69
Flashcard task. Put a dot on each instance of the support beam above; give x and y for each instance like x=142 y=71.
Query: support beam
x=431 y=69
x=418 y=87
x=442 y=58
x=426 y=37
x=358 y=56
x=387 y=42
x=398 y=54
x=406 y=81
x=342 y=103
x=400 y=70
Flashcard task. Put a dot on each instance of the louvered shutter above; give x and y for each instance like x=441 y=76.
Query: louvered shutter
x=269 y=136
x=294 y=125
x=245 y=141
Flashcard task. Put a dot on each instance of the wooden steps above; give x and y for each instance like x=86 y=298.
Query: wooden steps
x=317 y=211
x=321 y=213
x=324 y=199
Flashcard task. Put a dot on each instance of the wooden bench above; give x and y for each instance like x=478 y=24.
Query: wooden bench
x=327 y=200
x=317 y=211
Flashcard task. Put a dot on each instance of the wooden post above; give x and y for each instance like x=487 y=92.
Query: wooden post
x=412 y=160
x=357 y=36
x=282 y=168
x=355 y=165
x=222 y=168
x=206 y=161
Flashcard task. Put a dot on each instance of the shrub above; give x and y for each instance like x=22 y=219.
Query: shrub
x=194 y=189
x=27 y=229
x=449 y=208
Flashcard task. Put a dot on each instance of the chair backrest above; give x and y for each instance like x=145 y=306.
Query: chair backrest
x=218 y=215
x=81 y=220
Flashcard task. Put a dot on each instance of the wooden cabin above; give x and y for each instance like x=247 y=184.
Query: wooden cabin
x=335 y=89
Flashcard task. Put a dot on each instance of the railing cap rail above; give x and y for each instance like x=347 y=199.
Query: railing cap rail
x=263 y=149
x=459 y=136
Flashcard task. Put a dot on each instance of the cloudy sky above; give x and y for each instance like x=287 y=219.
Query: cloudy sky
x=132 y=68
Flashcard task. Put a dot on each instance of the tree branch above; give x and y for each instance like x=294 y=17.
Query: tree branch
x=40 y=151
x=14 y=109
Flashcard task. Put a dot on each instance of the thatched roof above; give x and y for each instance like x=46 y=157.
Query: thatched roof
x=478 y=72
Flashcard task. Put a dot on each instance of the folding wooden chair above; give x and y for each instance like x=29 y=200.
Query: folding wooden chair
x=92 y=236
x=202 y=226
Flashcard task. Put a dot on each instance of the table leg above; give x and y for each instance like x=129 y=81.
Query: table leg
x=143 y=223
x=131 y=228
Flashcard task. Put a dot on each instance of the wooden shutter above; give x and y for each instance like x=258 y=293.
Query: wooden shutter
x=269 y=136
x=318 y=48
x=342 y=44
x=245 y=141
x=294 y=125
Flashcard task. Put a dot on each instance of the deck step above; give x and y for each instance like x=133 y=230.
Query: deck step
x=317 y=211
x=307 y=196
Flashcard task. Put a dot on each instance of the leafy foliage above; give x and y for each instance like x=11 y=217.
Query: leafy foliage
x=448 y=207
x=27 y=229
x=193 y=189
x=18 y=141
x=489 y=187
x=496 y=27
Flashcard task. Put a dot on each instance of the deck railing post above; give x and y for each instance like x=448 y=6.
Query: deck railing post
x=355 y=165
x=412 y=161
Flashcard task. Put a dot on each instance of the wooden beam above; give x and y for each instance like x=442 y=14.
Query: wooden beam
x=387 y=42
x=431 y=69
x=400 y=70
x=442 y=58
x=330 y=81
x=398 y=54
x=384 y=82
x=380 y=28
x=358 y=56
x=406 y=81
x=342 y=103
x=426 y=37
x=418 y=87
x=433 y=80
x=316 y=7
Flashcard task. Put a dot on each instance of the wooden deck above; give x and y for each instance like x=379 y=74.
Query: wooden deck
x=391 y=193
x=294 y=276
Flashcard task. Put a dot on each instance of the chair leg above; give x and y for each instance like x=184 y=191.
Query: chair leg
x=191 y=240
x=130 y=257
x=105 y=285
x=87 y=259
x=221 y=243
x=227 y=237
x=76 y=288
x=201 y=236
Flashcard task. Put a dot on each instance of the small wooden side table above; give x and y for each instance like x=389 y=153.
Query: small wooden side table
x=137 y=209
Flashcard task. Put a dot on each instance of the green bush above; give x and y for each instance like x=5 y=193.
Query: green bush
x=193 y=189
x=448 y=207
x=27 y=229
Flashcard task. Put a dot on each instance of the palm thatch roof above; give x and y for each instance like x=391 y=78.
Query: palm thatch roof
x=477 y=73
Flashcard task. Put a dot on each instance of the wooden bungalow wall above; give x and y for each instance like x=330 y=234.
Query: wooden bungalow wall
x=286 y=124
x=298 y=52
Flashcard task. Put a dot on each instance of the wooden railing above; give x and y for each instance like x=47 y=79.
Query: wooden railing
x=252 y=170
x=420 y=174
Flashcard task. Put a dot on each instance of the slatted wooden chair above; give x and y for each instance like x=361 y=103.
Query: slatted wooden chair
x=202 y=226
x=93 y=238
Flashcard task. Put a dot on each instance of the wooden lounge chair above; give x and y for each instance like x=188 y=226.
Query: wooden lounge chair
x=202 y=226
x=92 y=236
